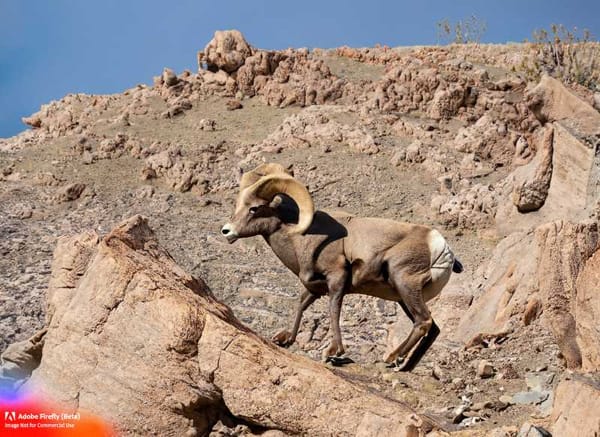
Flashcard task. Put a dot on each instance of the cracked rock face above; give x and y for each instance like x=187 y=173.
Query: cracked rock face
x=134 y=339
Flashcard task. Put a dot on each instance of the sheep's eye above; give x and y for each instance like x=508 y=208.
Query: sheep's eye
x=253 y=210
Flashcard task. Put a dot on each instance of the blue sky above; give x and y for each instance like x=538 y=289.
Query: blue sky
x=49 y=48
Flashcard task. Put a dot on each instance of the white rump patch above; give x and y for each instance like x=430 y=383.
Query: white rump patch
x=442 y=258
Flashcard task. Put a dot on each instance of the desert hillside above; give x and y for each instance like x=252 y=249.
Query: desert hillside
x=111 y=208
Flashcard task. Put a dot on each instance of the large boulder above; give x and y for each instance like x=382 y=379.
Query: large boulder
x=227 y=51
x=134 y=339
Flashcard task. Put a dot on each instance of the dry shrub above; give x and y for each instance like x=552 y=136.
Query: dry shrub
x=568 y=55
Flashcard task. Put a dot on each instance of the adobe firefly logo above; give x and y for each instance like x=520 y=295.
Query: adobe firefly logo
x=10 y=416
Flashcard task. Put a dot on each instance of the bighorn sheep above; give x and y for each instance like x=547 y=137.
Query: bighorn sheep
x=337 y=254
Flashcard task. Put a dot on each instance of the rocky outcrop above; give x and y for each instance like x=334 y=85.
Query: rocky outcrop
x=446 y=102
x=550 y=101
x=134 y=339
x=488 y=138
x=282 y=78
x=511 y=284
x=317 y=127
x=70 y=114
x=227 y=51
x=553 y=175
x=299 y=80
x=569 y=193
x=180 y=174
x=473 y=207
x=233 y=69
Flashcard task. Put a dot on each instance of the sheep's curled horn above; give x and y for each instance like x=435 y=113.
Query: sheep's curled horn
x=279 y=182
x=252 y=176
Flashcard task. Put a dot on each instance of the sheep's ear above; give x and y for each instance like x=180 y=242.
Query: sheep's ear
x=276 y=202
x=240 y=173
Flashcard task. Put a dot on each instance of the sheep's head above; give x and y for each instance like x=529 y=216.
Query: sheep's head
x=269 y=197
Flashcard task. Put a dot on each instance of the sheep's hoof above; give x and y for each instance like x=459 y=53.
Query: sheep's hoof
x=283 y=338
x=339 y=361
x=398 y=364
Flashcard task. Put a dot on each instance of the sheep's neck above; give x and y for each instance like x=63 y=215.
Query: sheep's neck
x=283 y=246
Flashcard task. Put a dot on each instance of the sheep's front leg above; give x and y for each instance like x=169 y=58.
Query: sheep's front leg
x=335 y=351
x=286 y=338
x=336 y=348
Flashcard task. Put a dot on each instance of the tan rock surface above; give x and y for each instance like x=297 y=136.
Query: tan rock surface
x=506 y=281
x=587 y=313
x=576 y=406
x=563 y=250
x=551 y=101
x=538 y=265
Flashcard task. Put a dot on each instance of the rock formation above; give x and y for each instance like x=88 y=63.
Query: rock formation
x=227 y=51
x=559 y=181
x=556 y=253
x=531 y=194
x=552 y=102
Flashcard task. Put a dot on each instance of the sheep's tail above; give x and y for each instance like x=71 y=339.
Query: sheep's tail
x=457 y=267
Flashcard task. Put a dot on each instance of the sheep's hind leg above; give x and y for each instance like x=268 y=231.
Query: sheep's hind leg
x=286 y=338
x=424 y=330
x=423 y=345
x=408 y=363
